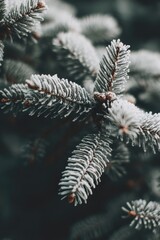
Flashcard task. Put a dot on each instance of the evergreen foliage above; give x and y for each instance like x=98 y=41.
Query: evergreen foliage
x=85 y=167
x=63 y=83
x=118 y=161
x=143 y=213
x=2 y=9
x=113 y=68
x=72 y=51
x=20 y=20
x=99 y=28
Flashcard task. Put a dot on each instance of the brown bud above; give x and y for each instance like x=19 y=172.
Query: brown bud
x=100 y=97
x=103 y=97
x=41 y=5
x=132 y=213
x=71 y=198
x=110 y=96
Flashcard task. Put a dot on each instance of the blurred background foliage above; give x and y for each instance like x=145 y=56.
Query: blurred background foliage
x=139 y=19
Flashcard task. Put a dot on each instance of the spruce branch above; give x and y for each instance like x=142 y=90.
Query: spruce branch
x=131 y=123
x=21 y=20
x=125 y=120
x=60 y=97
x=113 y=73
x=77 y=54
x=144 y=214
x=14 y=98
x=48 y=96
x=85 y=168
x=99 y=28
x=150 y=131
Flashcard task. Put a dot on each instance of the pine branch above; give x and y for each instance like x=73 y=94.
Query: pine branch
x=144 y=214
x=125 y=120
x=21 y=20
x=150 y=131
x=14 y=98
x=1 y=52
x=134 y=124
x=77 y=54
x=85 y=168
x=59 y=97
x=113 y=73
x=99 y=28
x=2 y=9
x=48 y=96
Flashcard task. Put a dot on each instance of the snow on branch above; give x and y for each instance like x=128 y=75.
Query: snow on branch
x=77 y=54
x=21 y=20
x=85 y=168
x=143 y=214
x=125 y=119
x=150 y=131
x=114 y=67
x=60 y=97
